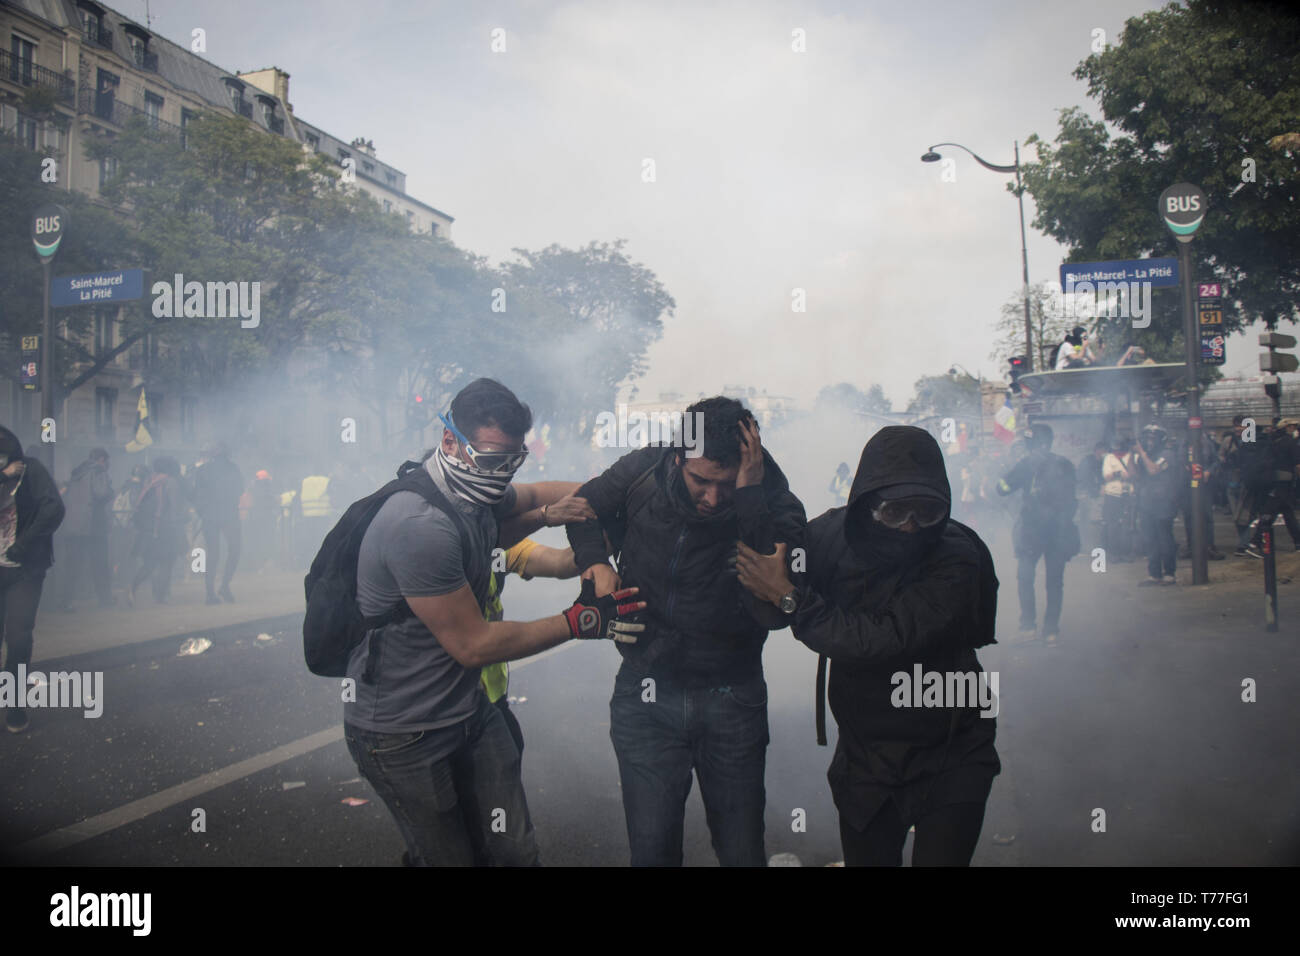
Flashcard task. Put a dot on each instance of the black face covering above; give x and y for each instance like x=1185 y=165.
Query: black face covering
x=879 y=546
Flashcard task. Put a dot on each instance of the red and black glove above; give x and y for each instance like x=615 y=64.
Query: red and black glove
x=604 y=618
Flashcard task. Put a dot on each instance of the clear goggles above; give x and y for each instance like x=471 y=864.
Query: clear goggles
x=895 y=513
x=493 y=462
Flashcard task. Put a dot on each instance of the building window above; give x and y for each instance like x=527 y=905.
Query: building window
x=103 y=331
x=344 y=154
x=368 y=167
x=187 y=117
x=433 y=228
x=105 y=410
x=392 y=178
x=410 y=217
x=26 y=131
x=153 y=108
x=92 y=26
x=388 y=206
x=107 y=170
x=20 y=67
x=314 y=142
x=105 y=94
x=189 y=414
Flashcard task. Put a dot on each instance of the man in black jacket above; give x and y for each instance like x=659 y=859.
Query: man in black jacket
x=218 y=485
x=690 y=694
x=897 y=592
x=30 y=512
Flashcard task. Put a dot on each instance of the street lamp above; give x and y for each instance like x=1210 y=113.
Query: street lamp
x=953 y=369
x=932 y=157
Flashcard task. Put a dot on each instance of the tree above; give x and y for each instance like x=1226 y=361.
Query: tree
x=851 y=398
x=945 y=395
x=1202 y=93
x=606 y=312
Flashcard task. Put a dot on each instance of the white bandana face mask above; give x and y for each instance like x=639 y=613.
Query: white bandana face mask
x=470 y=484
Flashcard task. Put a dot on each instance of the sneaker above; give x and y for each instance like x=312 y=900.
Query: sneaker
x=1253 y=552
x=1050 y=638
x=1168 y=581
x=1150 y=583
x=1240 y=553
x=1216 y=555
x=16 y=720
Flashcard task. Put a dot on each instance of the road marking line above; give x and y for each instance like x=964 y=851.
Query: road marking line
x=92 y=827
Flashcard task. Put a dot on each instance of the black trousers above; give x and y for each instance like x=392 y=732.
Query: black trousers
x=20 y=595
x=945 y=836
x=1279 y=502
x=78 y=551
x=213 y=530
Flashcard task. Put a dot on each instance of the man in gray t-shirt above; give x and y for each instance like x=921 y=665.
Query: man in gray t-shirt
x=421 y=730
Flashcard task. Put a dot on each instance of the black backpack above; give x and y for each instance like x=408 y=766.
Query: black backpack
x=334 y=624
x=1052 y=486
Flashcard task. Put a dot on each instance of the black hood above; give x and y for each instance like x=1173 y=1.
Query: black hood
x=895 y=455
x=10 y=445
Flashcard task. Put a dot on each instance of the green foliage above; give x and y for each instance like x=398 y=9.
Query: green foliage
x=1200 y=93
x=850 y=398
x=949 y=395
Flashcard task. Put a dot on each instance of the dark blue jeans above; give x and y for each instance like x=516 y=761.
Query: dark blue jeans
x=719 y=732
x=1158 y=533
x=455 y=793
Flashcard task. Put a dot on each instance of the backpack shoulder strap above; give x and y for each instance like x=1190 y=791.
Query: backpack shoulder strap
x=641 y=491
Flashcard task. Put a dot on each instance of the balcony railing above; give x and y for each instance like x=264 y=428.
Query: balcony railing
x=26 y=73
x=110 y=109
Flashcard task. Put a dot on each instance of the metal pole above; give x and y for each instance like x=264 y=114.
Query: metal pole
x=1191 y=332
x=47 y=378
x=1024 y=262
x=1270 y=574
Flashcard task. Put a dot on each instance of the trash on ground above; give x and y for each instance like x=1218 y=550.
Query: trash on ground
x=523 y=700
x=355 y=801
x=264 y=636
x=784 y=859
x=215 y=700
x=293 y=784
x=195 y=645
x=999 y=840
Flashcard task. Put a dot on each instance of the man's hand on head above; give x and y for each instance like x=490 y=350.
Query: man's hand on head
x=751 y=454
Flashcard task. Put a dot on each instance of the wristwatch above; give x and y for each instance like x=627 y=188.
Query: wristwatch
x=789 y=602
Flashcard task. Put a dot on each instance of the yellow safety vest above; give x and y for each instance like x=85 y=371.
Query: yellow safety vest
x=315 y=498
x=496 y=677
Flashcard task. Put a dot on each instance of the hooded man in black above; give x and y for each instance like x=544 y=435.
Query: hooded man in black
x=30 y=512
x=896 y=591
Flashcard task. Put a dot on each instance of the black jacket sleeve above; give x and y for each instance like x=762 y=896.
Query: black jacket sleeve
x=606 y=494
x=766 y=517
x=47 y=505
x=931 y=614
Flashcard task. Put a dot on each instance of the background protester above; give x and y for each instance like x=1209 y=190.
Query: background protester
x=159 y=522
x=893 y=585
x=678 y=519
x=85 y=530
x=1045 y=528
x=1117 y=473
x=1159 y=494
x=218 y=486
x=30 y=512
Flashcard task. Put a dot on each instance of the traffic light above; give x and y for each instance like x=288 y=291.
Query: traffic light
x=1017 y=363
x=1272 y=361
x=417 y=412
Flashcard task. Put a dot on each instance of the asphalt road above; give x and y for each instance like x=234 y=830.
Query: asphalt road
x=1137 y=713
